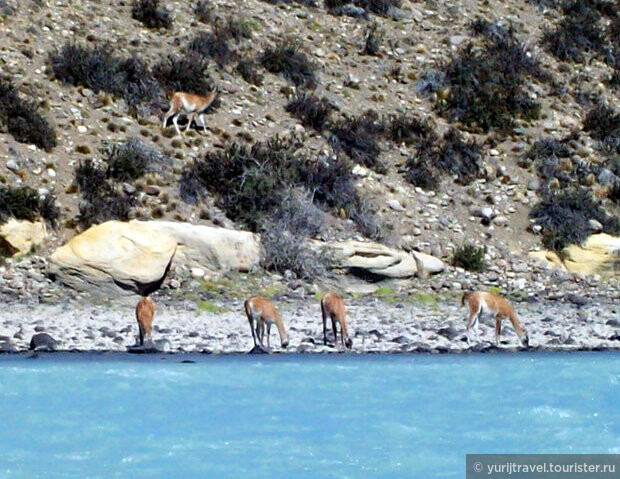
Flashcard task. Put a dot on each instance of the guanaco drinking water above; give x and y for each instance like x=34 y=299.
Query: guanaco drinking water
x=333 y=306
x=145 y=309
x=480 y=303
x=262 y=312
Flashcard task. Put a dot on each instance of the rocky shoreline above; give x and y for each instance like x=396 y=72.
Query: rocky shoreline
x=376 y=326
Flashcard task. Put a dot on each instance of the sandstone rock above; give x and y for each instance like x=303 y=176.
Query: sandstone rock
x=135 y=256
x=379 y=259
x=600 y=254
x=21 y=235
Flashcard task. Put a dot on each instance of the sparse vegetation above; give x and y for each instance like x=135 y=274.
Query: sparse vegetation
x=603 y=124
x=186 y=73
x=99 y=69
x=250 y=183
x=580 y=33
x=373 y=38
x=24 y=203
x=150 y=14
x=380 y=7
x=103 y=200
x=21 y=118
x=129 y=160
x=564 y=215
x=486 y=83
x=287 y=60
x=211 y=45
x=204 y=11
x=469 y=257
x=310 y=109
x=359 y=138
x=248 y=69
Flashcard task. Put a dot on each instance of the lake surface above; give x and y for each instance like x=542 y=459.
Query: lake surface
x=89 y=416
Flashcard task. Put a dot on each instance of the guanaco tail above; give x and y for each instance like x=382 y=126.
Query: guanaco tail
x=333 y=306
x=190 y=105
x=262 y=312
x=145 y=310
x=480 y=303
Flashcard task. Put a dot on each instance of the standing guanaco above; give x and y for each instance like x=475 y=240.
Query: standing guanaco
x=332 y=305
x=145 y=310
x=263 y=312
x=190 y=105
x=481 y=302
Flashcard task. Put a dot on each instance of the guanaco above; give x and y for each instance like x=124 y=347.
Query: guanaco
x=332 y=305
x=480 y=303
x=145 y=310
x=263 y=312
x=190 y=105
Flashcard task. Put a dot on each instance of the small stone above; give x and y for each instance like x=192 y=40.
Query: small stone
x=395 y=205
x=197 y=273
x=12 y=165
x=82 y=129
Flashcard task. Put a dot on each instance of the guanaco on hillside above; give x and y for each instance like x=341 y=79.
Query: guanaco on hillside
x=145 y=310
x=333 y=306
x=480 y=303
x=262 y=312
x=190 y=105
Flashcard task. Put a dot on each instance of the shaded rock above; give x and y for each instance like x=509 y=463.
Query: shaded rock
x=577 y=299
x=450 y=333
x=43 y=342
x=258 y=349
x=21 y=235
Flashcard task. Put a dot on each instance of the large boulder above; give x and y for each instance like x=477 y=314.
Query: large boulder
x=381 y=260
x=600 y=254
x=19 y=236
x=135 y=256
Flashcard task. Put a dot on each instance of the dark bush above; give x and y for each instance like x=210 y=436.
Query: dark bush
x=307 y=3
x=21 y=118
x=287 y=60
x=310 y=109
x=359 y=137
x=580 y=32
x=211 y=45
x=284 y=236
x=129 y=160
x=460 y=158
x=564 y=215
x=186 y=73
x=469 y=257
x=248 y=69
x=421 y=169
x=407 y=129
x=102 y=199
x=204 y=11
x=149 y=13
x=249 y=183
x=373 y=38
x=99 y=69
x=603 y=124
x=486 y=83
x=24 y=203
x=380 y=7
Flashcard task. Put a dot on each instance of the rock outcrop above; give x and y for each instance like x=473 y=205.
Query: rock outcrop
x=135 y=256
x=600 y=254
x=20 y=236
x=378 y=259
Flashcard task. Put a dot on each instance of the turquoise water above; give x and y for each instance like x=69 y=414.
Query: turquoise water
x=298 y=416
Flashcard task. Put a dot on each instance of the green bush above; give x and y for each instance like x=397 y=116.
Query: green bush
x=21 y=118
x=469 y=257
